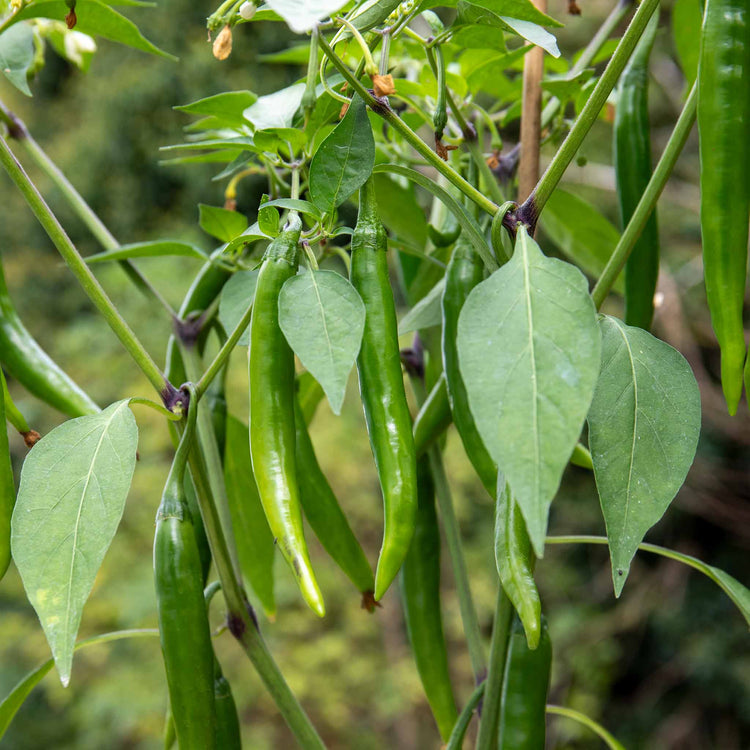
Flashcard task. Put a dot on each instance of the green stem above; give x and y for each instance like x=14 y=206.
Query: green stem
x=170 y=415
x=18 y=131
x=648 y=200
x=81 y=271
x=456 y=740
x=487 y=737
x=529 y=212
x=589 y=53
x=455 y=550
x=610 y=741
x=211 y=456
x=381 y=108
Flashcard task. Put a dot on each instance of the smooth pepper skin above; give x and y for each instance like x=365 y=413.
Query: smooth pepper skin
x=420 y=586
x=723 y=126
x=227 y=722
x=183 y=619
x=632 y=158
x=434 y=417
x=272 y=427
x=325 y=516
x=33 y=368
x=7 y=488
x=464 y=273
x=381 y=386
x=524 y=696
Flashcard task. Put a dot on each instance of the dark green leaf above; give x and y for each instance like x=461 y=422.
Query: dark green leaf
x=227 y=107
x=268 y=218
x=485 y=11
x=344 y=160
x=94 y=18
x=220 y=223
x=644 y=424
x=293 y=204
x=400 y=211
x=323 y=318
x=581 y=232
x=529 y=346
x=687 y=16
x=74 y=483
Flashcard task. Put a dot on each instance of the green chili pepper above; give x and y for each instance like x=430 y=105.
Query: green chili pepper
x=524 y=697
x=183 y=620
x=381 y=386
x=32 y=367
x=464 y=272
x=227 y=722
x=448 y=232
x=7 y=489
x=723 y=126
x=12 y=414
x=325 y=516
x=515 y=563
x=310 y=394
x=272 y=394
x=632 y=158
x=420 y=584
x=434 y=417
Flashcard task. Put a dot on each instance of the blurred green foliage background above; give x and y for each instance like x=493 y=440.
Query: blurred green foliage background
x=666 y=666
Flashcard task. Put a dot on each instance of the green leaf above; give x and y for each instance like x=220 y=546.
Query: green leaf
x=272 y=140
x=465 y=219
x=155 y=249
x=485 y=11
x=302 y=16
x=297 y=54
x=309 y=395
x=515 y=564
x=220 y=223
x=644 y=424
x=227 y=107
x=94 y=18
x=400 y=211
x=15 y=699
x=426 y=313
x=236 y=296
x=687 y=17
x=255 y=542
x=323 y=319
x=276 y=110
x=344 y=160
x=529 y=345
x=74 y=483
x=533 y=33
x=581 y=232
x=293 y=204
x=479 y=37
x=268 y=218
x=241 y=143
x=371 y=13
x=17 y=55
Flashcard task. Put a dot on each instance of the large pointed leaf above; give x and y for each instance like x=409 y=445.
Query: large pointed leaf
x=73 y=488
x=94 y=18
x=529 y=347
x=344 y=160
x=153 y=249
x=323 y=318
x=644 y=424
x=302 y=15
x=255 y=542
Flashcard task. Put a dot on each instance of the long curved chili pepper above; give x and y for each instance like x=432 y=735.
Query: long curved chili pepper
x=632 y=158
x=183 y=620
x=32 y=367
x=325 y=516
x=524 y=697
x=420 y=585
x=723 y=125
x=272 y=393
x=464 y=272
x=381 y=386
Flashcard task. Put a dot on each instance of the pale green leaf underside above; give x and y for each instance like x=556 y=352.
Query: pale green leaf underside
x=644 y=424
x=74 y=483
x=529 y=348
x=17 y=55
x=426 y=313
x=323 y=318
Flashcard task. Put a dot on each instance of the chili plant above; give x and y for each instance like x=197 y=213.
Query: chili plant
x=407 y=113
